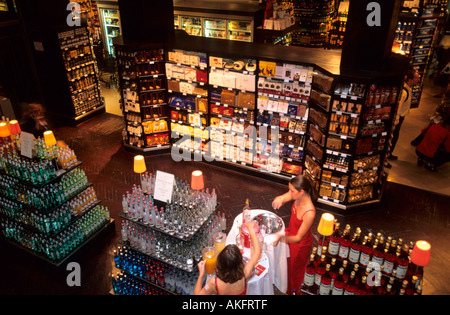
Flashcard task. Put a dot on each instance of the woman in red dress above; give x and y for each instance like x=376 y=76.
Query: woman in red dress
x=298 y=235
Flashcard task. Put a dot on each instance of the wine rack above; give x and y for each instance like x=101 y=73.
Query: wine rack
x=143 y=88
x=161 y=242
x=81 y=71
x=47 y=207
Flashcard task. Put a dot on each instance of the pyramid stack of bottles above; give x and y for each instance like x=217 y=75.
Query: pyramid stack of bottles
x=47 y=205
x=163 y=241
x=351 y=263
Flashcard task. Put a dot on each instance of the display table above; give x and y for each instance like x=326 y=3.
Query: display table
x=276 y=255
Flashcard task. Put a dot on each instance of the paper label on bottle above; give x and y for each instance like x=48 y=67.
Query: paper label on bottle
x=337 y=291
x=308 y=279
x=333 y=248
x=364 y=259
x=401 y=271
x=324 y=289
x=378 y=260
x=343 y=252
x=388 y=267
x=317 y=278
x=354 y=255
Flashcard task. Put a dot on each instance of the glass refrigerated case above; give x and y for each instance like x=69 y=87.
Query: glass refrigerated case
x=215 y=28
x=191 y=25
x=110 y=25
x=240 y=30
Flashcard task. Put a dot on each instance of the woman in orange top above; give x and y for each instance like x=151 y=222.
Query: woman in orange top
x=299 y=233
x=232 y=274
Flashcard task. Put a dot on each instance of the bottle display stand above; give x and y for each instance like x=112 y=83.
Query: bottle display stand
x=82 y=74
x=162 y=242
x=47 y=206
x=143 y=88
x=347 y=263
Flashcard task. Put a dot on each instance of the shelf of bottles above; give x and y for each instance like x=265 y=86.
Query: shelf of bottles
x=314 y=19
x=350 y=125
x=282 y=118
x=351 y=263
x=337 y=30
x=143 y=86
x=47 y=206
x=162 y=241
x=187 y=80
x=112 y=28
x=416 y=31
x=232 y=109
x=82 y=72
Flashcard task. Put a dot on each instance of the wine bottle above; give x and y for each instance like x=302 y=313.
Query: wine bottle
x=355 y=247
x=345 y=242
x=378 y=251
x=390 y=258
x=309 y=279
x=335 y=239
x=338 y=284
x=366 y=251
x=402 y=262
x=246 y=212
x=325 y=282
x=350 y=286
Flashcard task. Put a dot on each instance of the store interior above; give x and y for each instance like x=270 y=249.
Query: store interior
x=413 y=201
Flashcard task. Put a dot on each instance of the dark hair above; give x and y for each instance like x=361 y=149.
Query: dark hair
x=301 y=182
x=230 y=264
x=410 y=74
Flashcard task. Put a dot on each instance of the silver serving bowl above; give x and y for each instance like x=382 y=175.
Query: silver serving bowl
x=272 y=222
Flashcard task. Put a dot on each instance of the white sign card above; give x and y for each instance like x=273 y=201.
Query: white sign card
x=26 y=144
x=164 y=186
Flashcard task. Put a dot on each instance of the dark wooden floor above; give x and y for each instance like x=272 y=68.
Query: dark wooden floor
x=404 y=212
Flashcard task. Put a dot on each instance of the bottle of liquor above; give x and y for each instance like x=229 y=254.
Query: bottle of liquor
x=355 y=247
x=411 y=287
x=246 y=212
x=344 y=246
x=320 y=270
x=350 y=286
x=325 y=282
x=361 y=287
x=346 y=274
x=366 y=252
x=390 y=258
x=402 y=262
x=335 y=239
x=338 y=284
x=334 y=271
x=378 y=252
x=310 y=272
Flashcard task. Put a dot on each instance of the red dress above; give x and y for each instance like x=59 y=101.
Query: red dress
x=299 y=252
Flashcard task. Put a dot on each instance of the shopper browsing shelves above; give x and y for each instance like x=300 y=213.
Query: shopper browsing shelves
x=299 y=233
x=232 y=274
x=404 y=106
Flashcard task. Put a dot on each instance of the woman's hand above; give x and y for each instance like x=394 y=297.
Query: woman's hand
x=278 y=202
x=201 y=268
x=277 y=240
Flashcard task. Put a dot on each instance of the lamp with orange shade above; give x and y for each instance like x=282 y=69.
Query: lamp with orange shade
x=197 y=180
x=326 y=226
x=4 y=132
x=420 y=254
x=139 y=164
x=14 y=127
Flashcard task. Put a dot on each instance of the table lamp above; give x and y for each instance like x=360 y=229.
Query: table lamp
x=326 y=226
x=197 y=180
x=4 y=132
x=139 y=164
x=49 y=138
x=14 y=127
x=420 y=254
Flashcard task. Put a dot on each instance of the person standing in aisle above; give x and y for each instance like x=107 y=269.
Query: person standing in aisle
x=232 y=275
x=298 y=235
x=404 y=106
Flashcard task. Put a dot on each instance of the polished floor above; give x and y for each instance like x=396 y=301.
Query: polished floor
x=406 y=211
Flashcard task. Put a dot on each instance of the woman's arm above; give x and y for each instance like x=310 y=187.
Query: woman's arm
x=256 y=255
x=281 y=200
x=209 y=288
